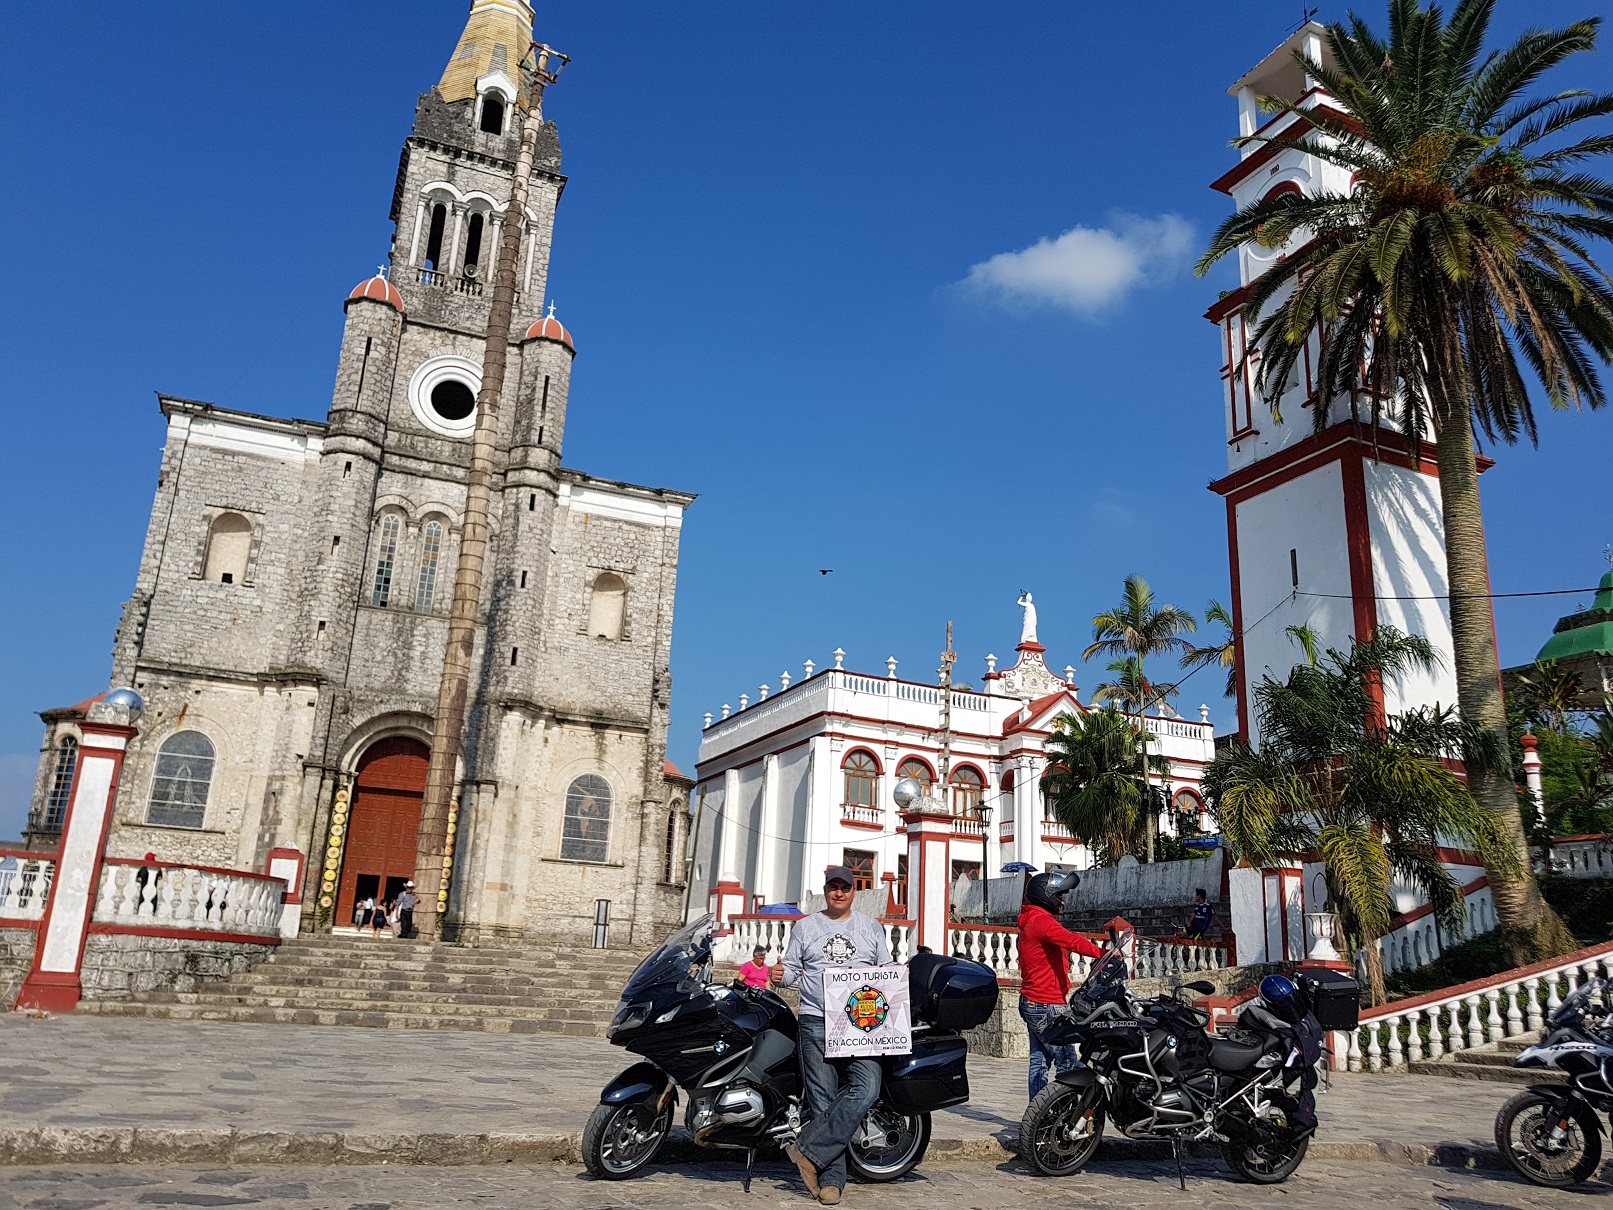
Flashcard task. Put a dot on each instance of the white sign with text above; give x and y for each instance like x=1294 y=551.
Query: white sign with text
x=866 y=1012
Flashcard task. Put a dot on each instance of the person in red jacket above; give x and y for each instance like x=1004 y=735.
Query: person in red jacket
x=1044 y=968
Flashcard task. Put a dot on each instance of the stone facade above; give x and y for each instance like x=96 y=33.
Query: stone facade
x=291 y=604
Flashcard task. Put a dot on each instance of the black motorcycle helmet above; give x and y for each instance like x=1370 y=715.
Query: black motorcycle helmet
x=1048 y=890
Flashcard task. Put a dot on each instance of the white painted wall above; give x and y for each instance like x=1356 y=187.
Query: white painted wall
x=1408 y=560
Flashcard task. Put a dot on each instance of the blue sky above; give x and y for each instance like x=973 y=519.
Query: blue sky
x=776 y=252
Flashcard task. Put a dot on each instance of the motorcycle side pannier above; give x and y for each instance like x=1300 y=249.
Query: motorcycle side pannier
x=934 y=1076
x=1335 y=996
x=951 y=993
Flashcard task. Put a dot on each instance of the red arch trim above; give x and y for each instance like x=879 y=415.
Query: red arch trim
x=878 y=768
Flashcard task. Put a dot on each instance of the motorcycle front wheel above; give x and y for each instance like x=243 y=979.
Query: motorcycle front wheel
x=1523 y=1132
x=888 y=1145
x=1062 y=1128
x=620 y=1140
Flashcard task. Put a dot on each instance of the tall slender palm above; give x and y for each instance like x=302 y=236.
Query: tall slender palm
x=1455 y=270
x=1223 y=654
x=1096 y=785
x=1131 y=688
x=1374 y=800
x=1138 y=628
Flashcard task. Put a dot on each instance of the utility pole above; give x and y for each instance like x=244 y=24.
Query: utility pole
x=948 y=658
x=433 y=863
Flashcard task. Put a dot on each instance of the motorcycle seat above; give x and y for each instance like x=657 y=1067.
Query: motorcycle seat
x=1227 y=1055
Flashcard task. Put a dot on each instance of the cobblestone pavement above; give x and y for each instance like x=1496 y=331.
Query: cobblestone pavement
x=142 y=1077
x=977 y=1187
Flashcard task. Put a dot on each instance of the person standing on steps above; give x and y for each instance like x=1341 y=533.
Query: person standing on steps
x=839 y=1092
x=405 y=907
x=1044 y=969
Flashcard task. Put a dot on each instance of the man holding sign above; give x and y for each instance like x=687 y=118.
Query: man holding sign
x=839 y=1091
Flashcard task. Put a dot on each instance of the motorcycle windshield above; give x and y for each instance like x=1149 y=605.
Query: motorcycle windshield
x=1577 y=1005
x=1107 y=973
x=672 y=964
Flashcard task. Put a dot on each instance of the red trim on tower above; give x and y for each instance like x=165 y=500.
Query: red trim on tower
x=1237 y=619
x=1231 y=179
x=1358 y=543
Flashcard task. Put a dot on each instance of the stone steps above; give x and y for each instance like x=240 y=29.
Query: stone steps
x=397 y=984
x=1491 y=1063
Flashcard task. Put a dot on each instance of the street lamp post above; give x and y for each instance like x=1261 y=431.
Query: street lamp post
x=984 y=812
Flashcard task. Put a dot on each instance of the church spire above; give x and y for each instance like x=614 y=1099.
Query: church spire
x=497 y=37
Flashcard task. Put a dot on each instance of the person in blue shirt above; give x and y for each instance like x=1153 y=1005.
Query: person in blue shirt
x=1203 y=916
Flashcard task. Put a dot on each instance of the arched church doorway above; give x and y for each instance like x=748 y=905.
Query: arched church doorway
x=384 y=823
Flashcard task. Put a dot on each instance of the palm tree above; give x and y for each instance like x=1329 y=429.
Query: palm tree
x=1131 y=688
x=1137 y=628
x=1548 y=692
x=1374 y=800
x=1096 y=782
x=1455 y=267
x=1223 y=653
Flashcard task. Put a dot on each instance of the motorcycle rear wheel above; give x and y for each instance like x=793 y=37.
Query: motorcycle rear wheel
x=1061 y=1129
x=1268 y=1160
x=905 y=1139
x=618 y=1143
x=1520 y=1130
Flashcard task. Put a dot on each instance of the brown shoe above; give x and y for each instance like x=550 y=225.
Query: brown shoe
x=809 y=1170
x=829 y=1195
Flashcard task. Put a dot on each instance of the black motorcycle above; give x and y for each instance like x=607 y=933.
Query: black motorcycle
x=1154 y=1070
x=731 y=1050
x=1550 y=1134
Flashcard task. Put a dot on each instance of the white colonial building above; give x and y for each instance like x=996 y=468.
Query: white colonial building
x=803 y=778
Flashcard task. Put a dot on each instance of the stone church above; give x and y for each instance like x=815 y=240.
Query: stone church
x=287 y=625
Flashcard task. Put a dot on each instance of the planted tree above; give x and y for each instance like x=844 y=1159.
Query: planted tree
x=1095 y=782
x=1455 y=272
x=1374 y=800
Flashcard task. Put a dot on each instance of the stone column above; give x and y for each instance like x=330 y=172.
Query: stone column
x=929 y=869
x=53 y=983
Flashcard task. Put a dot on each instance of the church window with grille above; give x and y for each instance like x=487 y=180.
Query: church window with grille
x=473 y=243
x=425 y=591
x=607 y=607
x=585 y=834
x=61 y=784
x=184 y=776
x=669 y=866
x=492 y=114
x=386 y=560
x=229 y=544
x=862 y=779
x=967 y=789
x=918 y=770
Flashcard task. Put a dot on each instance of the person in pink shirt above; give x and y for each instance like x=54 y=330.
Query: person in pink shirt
x=754 y=972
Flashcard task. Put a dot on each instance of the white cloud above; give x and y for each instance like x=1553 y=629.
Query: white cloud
x=1088 y=268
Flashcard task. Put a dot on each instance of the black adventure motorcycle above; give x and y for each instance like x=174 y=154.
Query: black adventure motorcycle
x=731 y=1051
x=1550 y=1134
x=1154 y=1070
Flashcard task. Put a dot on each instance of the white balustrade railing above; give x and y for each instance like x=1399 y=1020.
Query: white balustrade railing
x=989 y=945
x=1164 y=957
x=853 y=813
x=146 y=894
x=1582 y=857
x=1052 y=829
x=1471 y=1014
x=968 y=825
x=772 y=933
x=24 y=884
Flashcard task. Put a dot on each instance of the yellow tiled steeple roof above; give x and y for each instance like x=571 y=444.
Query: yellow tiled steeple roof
x=497 y=37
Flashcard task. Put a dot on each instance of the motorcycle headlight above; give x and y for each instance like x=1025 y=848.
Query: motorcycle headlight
x=629 y=1016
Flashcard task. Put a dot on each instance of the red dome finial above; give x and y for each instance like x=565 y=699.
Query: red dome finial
x=550 y=328
x=378 y=289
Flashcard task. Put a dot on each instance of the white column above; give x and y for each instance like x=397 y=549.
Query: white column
x=728 y=856
x=491 y=238
x=768 y=855
x=531 y=252
x=1531 y=778
x=419 y=223
x=1248 y=115
x=453 y=251
x=1027 y=813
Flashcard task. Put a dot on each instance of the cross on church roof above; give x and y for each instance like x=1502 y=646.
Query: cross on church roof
x=380 y=271
x=551 y=309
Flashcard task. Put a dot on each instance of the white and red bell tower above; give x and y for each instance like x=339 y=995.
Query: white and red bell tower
x=1331 y=529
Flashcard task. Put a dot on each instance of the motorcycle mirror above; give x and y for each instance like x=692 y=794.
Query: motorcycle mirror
x=1202 y=987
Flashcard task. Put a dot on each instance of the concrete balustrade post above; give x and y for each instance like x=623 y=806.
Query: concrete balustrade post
x=929 y=867
x=53 y=983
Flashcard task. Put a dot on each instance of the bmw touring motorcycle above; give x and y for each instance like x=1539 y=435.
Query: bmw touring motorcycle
x=1550 y=1134
x=730 y=1050
x=1156 y=1073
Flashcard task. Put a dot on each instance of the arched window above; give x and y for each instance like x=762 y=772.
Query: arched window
x=425 y=589
x=473 y=243
x=585 y=834
x=918 y=770
x=184 y=774
x=862 y=779
x=967 y=789
x=229 y=542
x=386 y=559
x=493 y=114
x=669 y=860
x=61 y=784
x=607 y=607
x=439 y=225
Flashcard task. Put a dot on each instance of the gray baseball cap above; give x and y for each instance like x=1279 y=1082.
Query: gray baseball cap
x=839 y=873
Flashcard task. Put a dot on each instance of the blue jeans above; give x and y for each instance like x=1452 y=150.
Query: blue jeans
x=839 y=1094
x=1045 y=1060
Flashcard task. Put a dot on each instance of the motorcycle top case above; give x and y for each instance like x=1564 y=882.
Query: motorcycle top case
x=1335 y=996
x=951 y=993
